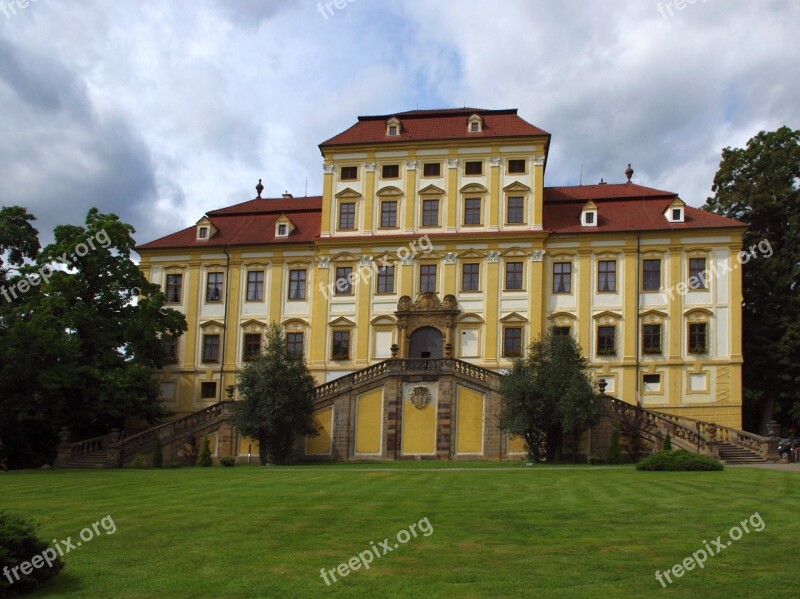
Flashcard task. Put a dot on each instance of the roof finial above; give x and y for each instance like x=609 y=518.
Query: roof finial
x=629 y=172
x=259 y=189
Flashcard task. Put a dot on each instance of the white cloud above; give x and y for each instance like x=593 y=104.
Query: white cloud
x=162 y=111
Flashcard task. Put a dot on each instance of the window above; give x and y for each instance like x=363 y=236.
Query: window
x=474 y=127
x=388 y=214
x=651 y=383
x=676 y=214
x=255 y=286
x=170 y=344
x=294 y=342
x=562 y=331
x=214 y=287
x=282 y=231
x=427 y=277
x=516 y=166
x=607 y=275
x=470 y=277
x=432 y=169
x=341 y=345
x=698 y=338
x=589 y=218
x=512 y=342
x=252 y=346
x=348 y=173
x=344 y=284
x=297 y=284
x=513 y=275
x=473 y=167
x=562 y=277
x=386 y=279
x=606 y=342
x=174 y=289
x=390 y=171
x=697 y=273
x=347 y=215
x=430 y=213
x=515 y=214
x=202 y=233
x=208 y=390
x=472 y=211
x=651 y=339
x=210 y=348
x=392 y=130
x=651 y=279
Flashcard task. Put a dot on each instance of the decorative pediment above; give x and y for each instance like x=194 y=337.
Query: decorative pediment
x=562 y=316
x=513 y=318
x=607 y=317
x=698 y=314
x=514 y=252
x=294 y=323
x=431 y=190
x=427 y=302
x=341 y=322
x=516 y=187
x=470 y=255
x=252 y=323
x=385 y=259
x=348 y=192
x=389 y=192
x=474 y=188
x=212 y=324
x=385 y=321
x=470 y=319
x=654 y=314
x=344 y=257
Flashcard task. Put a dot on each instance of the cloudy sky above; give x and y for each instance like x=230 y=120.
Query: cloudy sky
x=162 y=110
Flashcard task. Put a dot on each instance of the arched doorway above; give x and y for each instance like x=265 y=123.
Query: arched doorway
x=426 y=342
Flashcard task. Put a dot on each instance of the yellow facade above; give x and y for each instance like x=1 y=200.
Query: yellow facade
x=501 y=273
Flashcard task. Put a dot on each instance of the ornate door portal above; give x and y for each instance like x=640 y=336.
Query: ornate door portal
x=425 y=327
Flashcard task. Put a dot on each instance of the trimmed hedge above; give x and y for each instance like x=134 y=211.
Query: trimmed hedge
x=678 y=460
x=18 y=545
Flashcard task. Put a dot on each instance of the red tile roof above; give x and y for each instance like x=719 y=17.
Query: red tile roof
x=621 y=207
x=251 y=223
x=429 y=125
x=624 y=207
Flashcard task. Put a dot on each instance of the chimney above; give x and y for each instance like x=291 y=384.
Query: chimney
x=286 y=195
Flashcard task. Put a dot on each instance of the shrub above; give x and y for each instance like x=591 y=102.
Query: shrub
x=596 y=459
x=227 y=461
x=678 y=460
x=667 y=443
x=204 y=455
x=18 y=544
x=137 y=461
x=158 y=455
x=614 y=455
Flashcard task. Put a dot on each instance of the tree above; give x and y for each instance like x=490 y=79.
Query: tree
x=759 y=186
x=549 y=394
x=79 y=337
x=277 y=399
x=614 y=456
x=204 y=455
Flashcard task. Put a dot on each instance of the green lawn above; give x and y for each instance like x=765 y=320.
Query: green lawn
x=515 y=532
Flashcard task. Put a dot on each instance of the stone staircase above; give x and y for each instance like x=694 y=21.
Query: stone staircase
x=733 y=454
x=95 y=459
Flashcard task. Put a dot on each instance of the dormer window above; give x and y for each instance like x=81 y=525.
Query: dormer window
x=475 y=124
x=675 y=212
x=205 y=230
x=284 y=226
x=393 y=127
x=589 y=215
